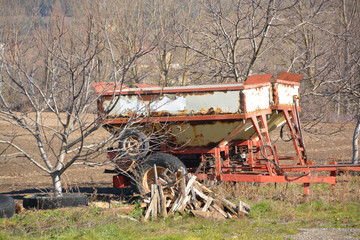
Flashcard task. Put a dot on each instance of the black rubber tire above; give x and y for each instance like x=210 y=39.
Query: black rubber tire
x=7 y=206
x=140 y=137
x=46 y=201
x=162 y=160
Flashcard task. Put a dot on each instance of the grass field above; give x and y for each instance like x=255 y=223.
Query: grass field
x=278 y=212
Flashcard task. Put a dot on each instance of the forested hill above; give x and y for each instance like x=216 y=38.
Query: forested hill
x=41 y=7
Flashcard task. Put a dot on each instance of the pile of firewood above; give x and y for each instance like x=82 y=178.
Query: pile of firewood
x=184 y=193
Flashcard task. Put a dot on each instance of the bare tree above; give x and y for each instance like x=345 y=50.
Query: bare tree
x=323 y=45
x=50 y=70
x=232 y=37
x=175 y=65
x=348 y=66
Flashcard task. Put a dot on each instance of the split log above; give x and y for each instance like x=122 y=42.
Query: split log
x=213 y=215
x=229 y=205
x=152 y=209
x=193 y=201
x=202 y=187
x=243 y=209
x=220 y=210
x=183 y=182
x=162 y=201
x=207 y=204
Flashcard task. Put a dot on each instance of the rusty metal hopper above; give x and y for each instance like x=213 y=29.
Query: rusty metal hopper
x=202 y=115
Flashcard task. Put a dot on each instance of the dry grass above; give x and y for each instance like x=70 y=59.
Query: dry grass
x=277 y=211
x=346 y=190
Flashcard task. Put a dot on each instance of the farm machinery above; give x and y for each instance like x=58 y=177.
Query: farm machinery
x=218 y=132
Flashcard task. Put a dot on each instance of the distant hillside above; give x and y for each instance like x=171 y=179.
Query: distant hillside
x=41 y=7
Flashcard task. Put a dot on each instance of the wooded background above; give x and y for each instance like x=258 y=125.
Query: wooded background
x=191 y=42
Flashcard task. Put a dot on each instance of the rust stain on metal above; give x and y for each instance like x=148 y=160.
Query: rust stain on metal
x=242 y=102
x=290 y=77
x=275 y=94
x=265 y=78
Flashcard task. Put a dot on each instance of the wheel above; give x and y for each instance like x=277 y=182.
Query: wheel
x=46 y=201
x=124 y=164
x=7 y=206
x=134 y=144
x=145 y=175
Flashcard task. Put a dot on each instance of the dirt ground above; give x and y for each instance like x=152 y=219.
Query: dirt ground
x=325 y=234
x=20 y=176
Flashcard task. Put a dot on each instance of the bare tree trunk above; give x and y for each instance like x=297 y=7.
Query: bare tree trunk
x=57 y=184
x=355 y=158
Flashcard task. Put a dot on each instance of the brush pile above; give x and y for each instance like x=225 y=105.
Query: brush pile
x=182 y=192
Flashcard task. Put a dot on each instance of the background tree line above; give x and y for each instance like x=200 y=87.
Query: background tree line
x=194 y=42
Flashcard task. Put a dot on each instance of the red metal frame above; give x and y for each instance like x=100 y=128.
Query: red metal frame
x=256 y=166
x=258 y=169
x=120 y=181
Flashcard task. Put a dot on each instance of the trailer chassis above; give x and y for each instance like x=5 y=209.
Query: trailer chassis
x=260 y=165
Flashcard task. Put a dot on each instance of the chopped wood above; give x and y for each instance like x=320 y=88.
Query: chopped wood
x=207 y=204
x=220 y=210
x=199 y=168
x=162 y=201
x=175 y=206
x=193 y=200
x=213 y=215
x=202 y=195
x=227 y=202
x=155 y=200
x=229 y=205
x=189 y=185
x=162 y=181
x=168 y=202
x=231 y=216
x=153 y=203
x=165 y=175
x=155 y=174
x=245 y=206
x=184 y=193
x=243 y=209
x=183 y=203
x=202 y=187
x=182 y=182
x=148 y=211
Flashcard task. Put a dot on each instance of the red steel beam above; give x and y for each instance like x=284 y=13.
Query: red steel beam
x=272 y=179
x=292 y=168
x=331 y=167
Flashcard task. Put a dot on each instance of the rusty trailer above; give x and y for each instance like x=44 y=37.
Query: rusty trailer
x=219 y=132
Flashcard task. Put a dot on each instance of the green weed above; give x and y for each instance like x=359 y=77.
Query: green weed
x=138 y=212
